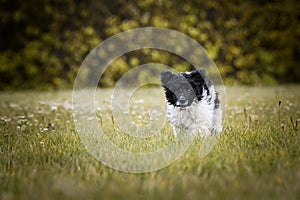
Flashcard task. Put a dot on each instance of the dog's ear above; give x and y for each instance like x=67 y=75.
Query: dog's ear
x=200 y=76
x=165 y=76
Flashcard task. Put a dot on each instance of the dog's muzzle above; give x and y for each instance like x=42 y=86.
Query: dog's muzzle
x=182 y=102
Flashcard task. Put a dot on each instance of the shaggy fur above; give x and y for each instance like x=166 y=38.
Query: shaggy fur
x=192 y=103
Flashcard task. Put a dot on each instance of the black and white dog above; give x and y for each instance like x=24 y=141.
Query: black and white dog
x=192 y=103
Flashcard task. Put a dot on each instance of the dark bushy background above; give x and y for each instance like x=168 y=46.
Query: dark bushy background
x=43 y=42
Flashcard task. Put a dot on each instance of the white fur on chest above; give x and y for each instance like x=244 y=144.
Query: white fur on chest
x=200 y=118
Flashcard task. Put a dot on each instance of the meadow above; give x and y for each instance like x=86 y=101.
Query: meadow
x=256 y=157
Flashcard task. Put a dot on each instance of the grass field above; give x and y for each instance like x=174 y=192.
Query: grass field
x=256 y=157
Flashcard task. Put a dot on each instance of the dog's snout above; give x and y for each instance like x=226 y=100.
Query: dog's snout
x=182 y=99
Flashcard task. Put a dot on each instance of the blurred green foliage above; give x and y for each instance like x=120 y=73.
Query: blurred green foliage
x=43 y=42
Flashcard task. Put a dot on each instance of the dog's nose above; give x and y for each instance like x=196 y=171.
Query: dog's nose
x=182 y=99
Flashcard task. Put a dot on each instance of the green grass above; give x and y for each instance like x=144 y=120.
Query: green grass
x=256 y=157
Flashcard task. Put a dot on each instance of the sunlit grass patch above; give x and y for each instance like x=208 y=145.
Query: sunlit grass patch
x=257 y=155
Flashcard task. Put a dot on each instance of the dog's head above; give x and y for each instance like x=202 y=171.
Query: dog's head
x=184 y=88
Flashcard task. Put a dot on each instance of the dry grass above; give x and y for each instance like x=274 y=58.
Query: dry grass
x=257 y=156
